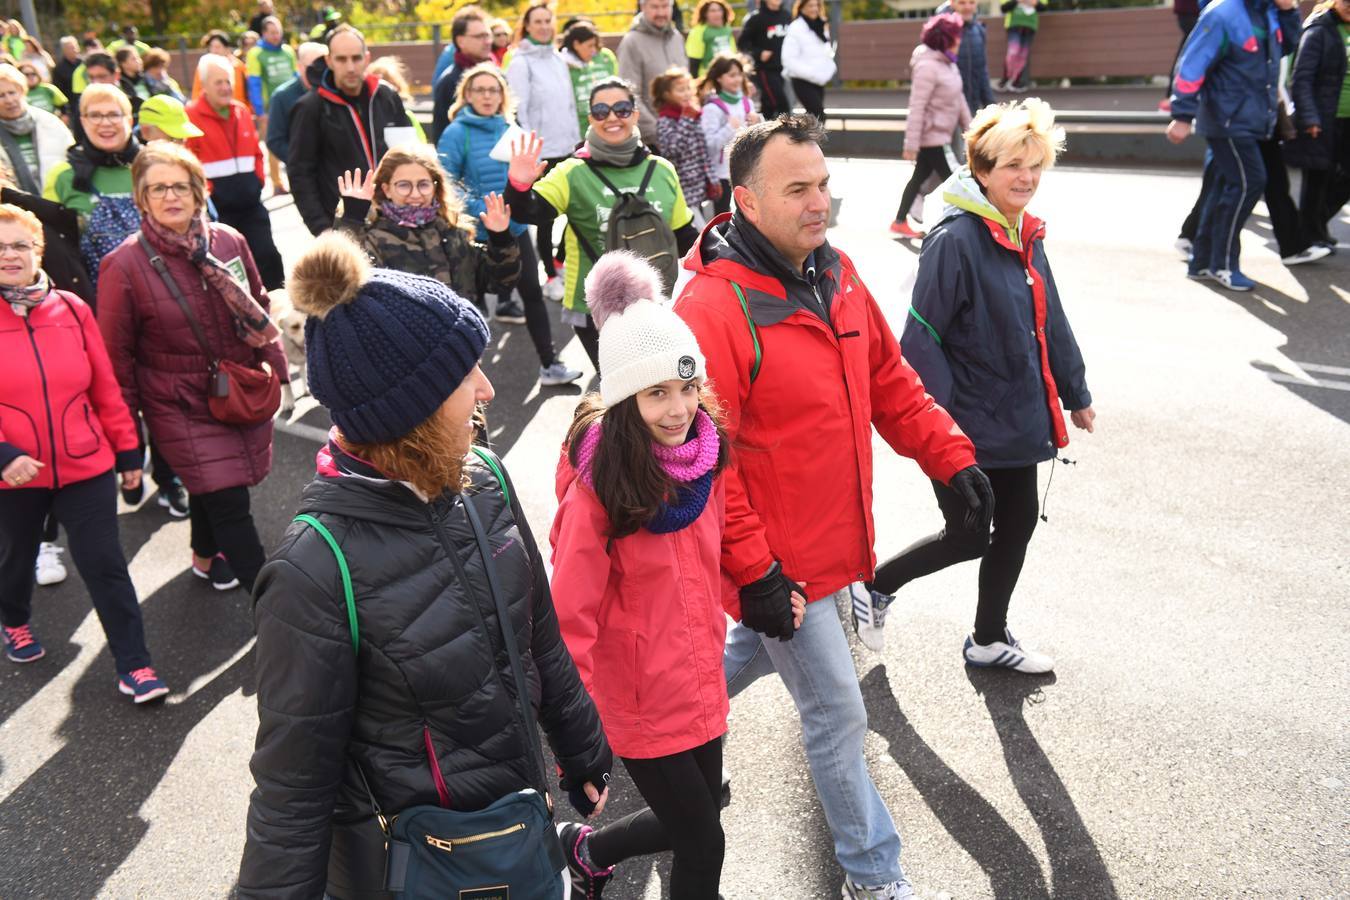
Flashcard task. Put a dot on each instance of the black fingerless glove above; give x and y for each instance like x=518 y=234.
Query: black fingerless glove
x=766 y=604
x=576 y=787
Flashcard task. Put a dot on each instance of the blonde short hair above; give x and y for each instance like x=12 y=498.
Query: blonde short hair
x=1003 y=131
x=29 y=221
x=14 y=76
x=98 y=93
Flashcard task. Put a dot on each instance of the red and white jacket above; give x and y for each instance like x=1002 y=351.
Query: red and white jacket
x=229 y=151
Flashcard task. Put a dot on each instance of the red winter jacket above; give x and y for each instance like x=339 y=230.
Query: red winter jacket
x=59 y=392
x=642 y=617
x=230 y=153
x=163 y=371
x=800 y=487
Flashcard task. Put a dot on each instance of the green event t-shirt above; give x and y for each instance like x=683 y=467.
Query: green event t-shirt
x=1343 y=107
x=706 y=41
x=575 y=192
x=47 y=97
x=108 y=181
x=274 y=67
x=602 y=65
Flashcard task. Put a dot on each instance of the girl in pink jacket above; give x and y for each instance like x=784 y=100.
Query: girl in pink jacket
x=637 y=580
x=937 y=107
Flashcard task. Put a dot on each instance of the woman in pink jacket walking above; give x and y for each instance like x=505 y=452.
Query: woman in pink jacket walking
x=637 y=580
x=937 y=108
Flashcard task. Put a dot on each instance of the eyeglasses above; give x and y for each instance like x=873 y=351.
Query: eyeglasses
x=101 y=117
x=600 y=111
x=160 y=191
x=20 y=247
x=480 y=36
x=407 y=187
x=487 y=90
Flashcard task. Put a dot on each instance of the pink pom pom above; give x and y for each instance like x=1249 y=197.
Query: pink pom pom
x=618 y=279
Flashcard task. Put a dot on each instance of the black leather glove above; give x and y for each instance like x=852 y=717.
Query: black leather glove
x=766 y=604
x=973 y=486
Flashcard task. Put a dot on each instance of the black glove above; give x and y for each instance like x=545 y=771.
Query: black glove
x=973 y=486
x=576 y=787
x=766 y=604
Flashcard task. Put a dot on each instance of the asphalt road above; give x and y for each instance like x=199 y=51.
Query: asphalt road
x=1191 y=581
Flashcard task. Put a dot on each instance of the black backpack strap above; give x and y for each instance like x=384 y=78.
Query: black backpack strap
x=595 y=170
x=583 y=243
x=647 y=179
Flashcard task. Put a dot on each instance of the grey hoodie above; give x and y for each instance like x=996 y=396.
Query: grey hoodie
x=644 y=53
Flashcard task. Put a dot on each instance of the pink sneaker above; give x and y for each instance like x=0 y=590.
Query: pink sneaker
x=905 y=231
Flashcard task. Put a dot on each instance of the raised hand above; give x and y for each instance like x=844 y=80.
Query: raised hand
x=526 y=166
x=351 y=184
x=497 y=216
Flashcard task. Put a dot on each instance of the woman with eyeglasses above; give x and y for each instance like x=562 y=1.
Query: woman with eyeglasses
x=64 y=429
x=481 y=114
x=613 y=152
x=168 y=327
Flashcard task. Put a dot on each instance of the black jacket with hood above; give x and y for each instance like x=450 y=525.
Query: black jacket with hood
x=1315 y=84
x=431 y=655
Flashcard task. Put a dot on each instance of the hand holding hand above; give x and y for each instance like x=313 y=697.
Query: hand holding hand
x=974 y=487
x=1313 y=131
x=497 y=216
x=1178 y=131
x=798 y=610
x=351 y=184
x=766 y=604
x=131 y=480
x=1083 y=418
x=21 y=470
x=526 y=167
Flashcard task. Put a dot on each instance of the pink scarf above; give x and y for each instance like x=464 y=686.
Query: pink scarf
x=692 y=459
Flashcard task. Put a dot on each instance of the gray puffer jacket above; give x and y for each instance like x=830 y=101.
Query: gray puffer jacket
x=431 y=656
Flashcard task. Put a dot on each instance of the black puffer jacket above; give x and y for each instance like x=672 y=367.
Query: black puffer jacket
x=1319 y=70
x=430 y=652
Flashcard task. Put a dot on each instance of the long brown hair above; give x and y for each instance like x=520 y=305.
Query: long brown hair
x=626 y=476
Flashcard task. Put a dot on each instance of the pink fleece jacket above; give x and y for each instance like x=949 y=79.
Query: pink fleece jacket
x=937 y=107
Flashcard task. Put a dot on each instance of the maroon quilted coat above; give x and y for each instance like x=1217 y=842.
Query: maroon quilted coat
x=162 y=369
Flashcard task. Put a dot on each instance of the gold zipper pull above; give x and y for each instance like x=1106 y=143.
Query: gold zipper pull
x=440 y=844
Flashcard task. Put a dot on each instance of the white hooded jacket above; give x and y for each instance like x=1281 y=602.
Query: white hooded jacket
x=542 y=86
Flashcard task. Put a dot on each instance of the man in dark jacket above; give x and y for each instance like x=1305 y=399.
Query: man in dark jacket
x=805 y=366
x=1227 y=83
x=971 y=56
x=472 y=42
x=64 y=70
x=762 y=40
x=278 y=137
x=347 y=122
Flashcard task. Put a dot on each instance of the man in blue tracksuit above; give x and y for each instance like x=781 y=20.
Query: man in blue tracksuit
x=1227 y=83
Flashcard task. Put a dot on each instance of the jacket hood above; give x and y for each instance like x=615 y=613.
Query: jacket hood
x=962 y=193
x=642 y=26
x=316 y=72
x=927 y=56
x=573 y=61
x=358 y=492
x=472 y=119
x=527 y=47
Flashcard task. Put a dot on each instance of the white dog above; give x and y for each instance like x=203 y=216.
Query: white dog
x=291 y=322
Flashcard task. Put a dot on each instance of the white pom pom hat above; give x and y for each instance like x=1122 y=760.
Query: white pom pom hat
x=642 y=341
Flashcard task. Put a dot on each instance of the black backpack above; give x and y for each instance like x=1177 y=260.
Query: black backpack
x=636 y=225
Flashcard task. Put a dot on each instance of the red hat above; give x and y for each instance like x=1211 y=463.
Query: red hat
x=941 y=31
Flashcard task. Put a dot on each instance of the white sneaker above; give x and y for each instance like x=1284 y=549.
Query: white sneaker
x=895 y=890
x=558 y=373
x=49 y=569
x=869 y=615
x=1312 y=254
x=1006 y=654
x=1184 y=247
x=553 y=289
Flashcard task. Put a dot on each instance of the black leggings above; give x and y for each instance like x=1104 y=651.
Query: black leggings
x=683 y=793
x=222 y=523
x=811 y=96
x=931 y=160
x=589 y=336
x=1325 y=191
x=544 y=236
x=532 y=296
x=1003 y=552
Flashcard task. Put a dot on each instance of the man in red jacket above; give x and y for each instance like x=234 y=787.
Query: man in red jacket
x=805 y=366
x=233 y=160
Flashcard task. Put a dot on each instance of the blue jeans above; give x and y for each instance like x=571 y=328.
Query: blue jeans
x=1239 y=181
x=817 y=669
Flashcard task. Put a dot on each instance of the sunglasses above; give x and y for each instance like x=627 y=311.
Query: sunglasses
x=600 y=111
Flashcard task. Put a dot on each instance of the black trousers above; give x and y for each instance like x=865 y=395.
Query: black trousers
x=683 y=814
x=88 y=509
x=811 y=96
x=255 y=225
x=931 y=161
x=1001 y=553
x=1325 y=191
x=222 y=523
x=589 y=336
x=544 y=235
x=773 y=101
x=532 y=296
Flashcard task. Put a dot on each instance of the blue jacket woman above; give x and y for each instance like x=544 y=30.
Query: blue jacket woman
x=463 y=148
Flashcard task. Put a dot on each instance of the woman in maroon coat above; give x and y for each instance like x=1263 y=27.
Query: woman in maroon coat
x=162 y=367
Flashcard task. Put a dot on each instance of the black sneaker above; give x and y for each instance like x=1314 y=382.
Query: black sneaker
x=510 y=312
x=221 y=575
x=173 y=497
x=587 y=880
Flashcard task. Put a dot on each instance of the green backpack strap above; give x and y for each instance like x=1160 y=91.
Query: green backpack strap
x=754 y=332
x=346 y=575
x=490 y=458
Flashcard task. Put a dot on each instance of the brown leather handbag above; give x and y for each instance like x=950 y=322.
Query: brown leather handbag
x=236 y=394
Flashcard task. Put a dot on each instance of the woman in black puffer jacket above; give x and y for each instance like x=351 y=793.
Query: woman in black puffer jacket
x=394 y=357
x=1322 y=116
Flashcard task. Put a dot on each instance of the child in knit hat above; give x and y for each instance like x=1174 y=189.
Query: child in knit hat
x=637 y=579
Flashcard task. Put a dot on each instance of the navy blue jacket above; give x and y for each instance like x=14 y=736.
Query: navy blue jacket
x=284 y=98
x=991 y=348
x=1228 y=77
x=1319 y=71
x=973 y=64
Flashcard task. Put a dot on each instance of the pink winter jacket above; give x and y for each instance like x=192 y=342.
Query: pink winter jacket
x=642 y=616
x=937 y=107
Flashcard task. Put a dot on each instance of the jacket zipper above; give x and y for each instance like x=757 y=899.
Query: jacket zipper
x=449 y=844
x=46 y=403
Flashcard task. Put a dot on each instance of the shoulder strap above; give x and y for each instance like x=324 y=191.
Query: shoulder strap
x=647 y=178
x=158 y=263
x=342 y=568
x=582 y=242
x=490 y=458
x=595 y=170
x=754 y=331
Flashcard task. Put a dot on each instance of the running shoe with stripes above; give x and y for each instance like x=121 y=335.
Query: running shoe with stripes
x=1006 y=654
x=587 y=879
x=869 y=615
x=895 y=890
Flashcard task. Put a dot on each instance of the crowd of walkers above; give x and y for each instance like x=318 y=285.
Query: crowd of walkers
x=411 y=638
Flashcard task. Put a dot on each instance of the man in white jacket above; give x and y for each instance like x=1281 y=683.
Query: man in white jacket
x=651 y=46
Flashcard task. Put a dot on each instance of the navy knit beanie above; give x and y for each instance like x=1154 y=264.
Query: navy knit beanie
x=385 y=349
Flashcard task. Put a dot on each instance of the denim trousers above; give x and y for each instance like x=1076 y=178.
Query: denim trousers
x=817 y=670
